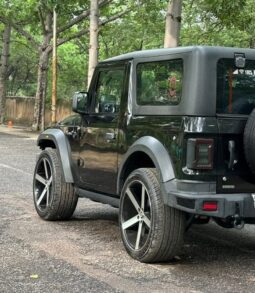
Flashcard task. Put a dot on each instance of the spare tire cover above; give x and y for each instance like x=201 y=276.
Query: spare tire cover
x=249 y=141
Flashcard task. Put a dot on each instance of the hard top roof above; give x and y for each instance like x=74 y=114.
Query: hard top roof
x=168 y=51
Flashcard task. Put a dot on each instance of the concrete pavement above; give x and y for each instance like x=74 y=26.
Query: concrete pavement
x=85 y=254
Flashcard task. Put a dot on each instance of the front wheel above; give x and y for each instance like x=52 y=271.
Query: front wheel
x=54 y=199
x=150 y=230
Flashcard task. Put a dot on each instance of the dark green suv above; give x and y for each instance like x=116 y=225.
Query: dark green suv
x=165 y=135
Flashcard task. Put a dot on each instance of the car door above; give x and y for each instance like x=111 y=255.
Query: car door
x=99 y=144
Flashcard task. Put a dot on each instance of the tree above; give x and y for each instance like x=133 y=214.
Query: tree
x=217 y=22
x=93 y=31
x=4 y=69
x=68 y=30
x=173 y=23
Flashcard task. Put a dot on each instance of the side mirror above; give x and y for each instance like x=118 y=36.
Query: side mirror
x=80 y=102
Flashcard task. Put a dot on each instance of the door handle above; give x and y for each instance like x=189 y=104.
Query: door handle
x=232 y=154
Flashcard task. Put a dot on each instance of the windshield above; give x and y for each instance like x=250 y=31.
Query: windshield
x=235 y=87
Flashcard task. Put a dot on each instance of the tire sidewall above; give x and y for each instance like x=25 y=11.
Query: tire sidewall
x=56 y=181
x=157 y=207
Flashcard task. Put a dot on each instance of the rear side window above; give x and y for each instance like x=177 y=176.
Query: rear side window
x=235 y=87
x=159 y=83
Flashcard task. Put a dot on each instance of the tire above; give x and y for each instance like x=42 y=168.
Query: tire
x=249 y=142
x=150 y=230
x=53 y=198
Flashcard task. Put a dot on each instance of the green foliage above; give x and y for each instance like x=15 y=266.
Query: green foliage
x=22 y=70
x=72 y=64
x=142 y=28
x=204 y=22
x=218 y=22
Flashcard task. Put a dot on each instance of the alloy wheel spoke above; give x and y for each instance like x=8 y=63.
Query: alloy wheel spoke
x=147 y=221
x=138 y=237
x=40 y=179
x=45 y=168
x=130 y=222
x=49 y=182
x=47 y=198
x=133 y=200
x=41 y=196
x=143 y=197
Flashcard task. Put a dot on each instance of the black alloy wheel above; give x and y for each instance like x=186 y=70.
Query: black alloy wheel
x=150 y=230
x=54 y=199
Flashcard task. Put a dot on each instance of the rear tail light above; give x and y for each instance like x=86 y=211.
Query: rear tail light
x=200 y=153
x=210 y=206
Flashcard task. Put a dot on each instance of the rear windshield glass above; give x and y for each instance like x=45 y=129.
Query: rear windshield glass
x=159 y=83
x=235 y=87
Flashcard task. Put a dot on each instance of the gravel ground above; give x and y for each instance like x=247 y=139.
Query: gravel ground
x=85 y=254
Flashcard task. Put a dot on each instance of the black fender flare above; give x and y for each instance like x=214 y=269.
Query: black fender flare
x=62 y=145
x=158 y=154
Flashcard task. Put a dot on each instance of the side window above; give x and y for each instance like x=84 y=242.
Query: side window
x=109 y=91
x=159 y=83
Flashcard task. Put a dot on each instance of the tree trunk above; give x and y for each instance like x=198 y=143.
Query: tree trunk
x=42 y=77
x=173 y=23
x=93 y=47
x=4 y=69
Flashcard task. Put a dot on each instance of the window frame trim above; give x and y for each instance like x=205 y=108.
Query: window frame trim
x=161 y=61
x=94 y=84
x=149 y=110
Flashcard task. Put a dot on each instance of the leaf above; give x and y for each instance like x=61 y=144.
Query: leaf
x=34 y=276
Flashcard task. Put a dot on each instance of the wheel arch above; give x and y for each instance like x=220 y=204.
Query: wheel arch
x=55 y=138
x=147 y=151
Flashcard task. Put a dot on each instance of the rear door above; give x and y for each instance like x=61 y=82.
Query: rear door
x=235 y=101
x=99 y=144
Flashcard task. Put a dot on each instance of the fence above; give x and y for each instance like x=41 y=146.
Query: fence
x=21 y=110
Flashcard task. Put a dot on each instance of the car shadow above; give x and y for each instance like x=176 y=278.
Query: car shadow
x=96 y=212
x=203 y=244
x=207 y=244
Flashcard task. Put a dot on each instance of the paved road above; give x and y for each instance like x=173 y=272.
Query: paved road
x=85 y=254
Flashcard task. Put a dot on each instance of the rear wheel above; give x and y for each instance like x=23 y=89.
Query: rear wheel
x=53 y=198
x=151 y=231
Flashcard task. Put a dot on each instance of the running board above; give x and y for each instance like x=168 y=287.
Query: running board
x=99 y=197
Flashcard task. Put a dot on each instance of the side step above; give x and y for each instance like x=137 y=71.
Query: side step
x=99 y=197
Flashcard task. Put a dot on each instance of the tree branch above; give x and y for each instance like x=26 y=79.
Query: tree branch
x=80 y=17
x=42 y=20
x=21 y=31
x=114 y=17
x=85 y=31
x=74 y=36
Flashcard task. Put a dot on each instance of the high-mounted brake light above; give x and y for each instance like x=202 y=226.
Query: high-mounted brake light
x=200 y=153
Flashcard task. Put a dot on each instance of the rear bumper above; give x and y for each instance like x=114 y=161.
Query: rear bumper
x=190 y=196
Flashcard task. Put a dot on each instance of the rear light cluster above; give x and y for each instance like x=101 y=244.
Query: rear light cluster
x=200 y=153
x=210 y=206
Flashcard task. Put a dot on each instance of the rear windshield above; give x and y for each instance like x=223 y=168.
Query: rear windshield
x=235 y=87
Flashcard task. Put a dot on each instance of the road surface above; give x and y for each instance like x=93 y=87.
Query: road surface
x=85 y=254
